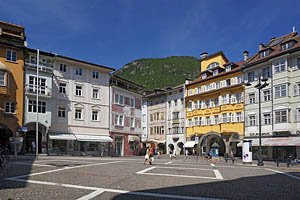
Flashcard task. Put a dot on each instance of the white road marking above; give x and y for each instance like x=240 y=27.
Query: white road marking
x=145 y=170
x=183 y=176
x=280 y=172
x=218 y=174
x=213 y=165
x=64 y=160
x=98 y=191
x=198 y=165
x=65 y=168
x=91 y=195
x=32 y=164
x=168 y=162
x=183 y=168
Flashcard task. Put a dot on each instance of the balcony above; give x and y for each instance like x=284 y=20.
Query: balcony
x=4 y=91
x=43 y=90
x=175 y=121
x=43 y=67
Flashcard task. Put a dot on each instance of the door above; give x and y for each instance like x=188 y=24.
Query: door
x=119 y=146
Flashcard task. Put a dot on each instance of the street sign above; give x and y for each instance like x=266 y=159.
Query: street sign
x=196 y=140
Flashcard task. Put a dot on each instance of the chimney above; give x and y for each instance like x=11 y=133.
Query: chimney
x=203 y=55
x=261 y=46
x=246 y=55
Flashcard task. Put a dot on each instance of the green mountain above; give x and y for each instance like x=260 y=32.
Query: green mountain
x=161 y=72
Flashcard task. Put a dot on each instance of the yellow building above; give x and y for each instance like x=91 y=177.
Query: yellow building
x=215 y=105
x=12 y=42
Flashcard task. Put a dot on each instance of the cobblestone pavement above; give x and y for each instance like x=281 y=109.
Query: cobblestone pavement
x=52 y=177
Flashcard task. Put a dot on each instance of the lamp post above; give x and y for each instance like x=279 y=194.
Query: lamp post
x=259 y=86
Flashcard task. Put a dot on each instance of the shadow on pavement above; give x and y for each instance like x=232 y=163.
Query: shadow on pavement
x=275 y=186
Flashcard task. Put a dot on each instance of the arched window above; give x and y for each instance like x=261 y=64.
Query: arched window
x=212 y=65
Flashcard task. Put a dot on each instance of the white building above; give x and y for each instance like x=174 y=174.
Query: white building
x=80 y=111
x=144 y=120
x=175 y=119
x=44 y=106
x=279 y=62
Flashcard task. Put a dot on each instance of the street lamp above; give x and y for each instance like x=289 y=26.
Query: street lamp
x=259 y=86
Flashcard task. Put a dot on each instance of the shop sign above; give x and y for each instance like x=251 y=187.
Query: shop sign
x=262 y=134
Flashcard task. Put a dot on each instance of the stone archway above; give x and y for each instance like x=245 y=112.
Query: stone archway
x=5 y=134
x=30 y=137
x=208 y=139
x=234 y=139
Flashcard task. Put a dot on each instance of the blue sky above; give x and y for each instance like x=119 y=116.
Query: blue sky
x=116 y=32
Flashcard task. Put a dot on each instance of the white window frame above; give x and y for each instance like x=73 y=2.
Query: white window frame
x=267 y=118
x=190 y=92
x=119 y=120
x=252 y=100
x=204 y=76
x=11 y=107
x=78 y=114
x=239 y=117
x=12 y=57
x=132 y=120
x=280 y=91
x=267 y=97
x=95 y=95
x=78 y=71
x=61 y=112
x=62 y=88
x=252 y=120
x=95 y=75
x=78 y=92
x=95 y=115
x=279 y=64
x=228 y=68
x=2 y=78
x=62 y=67
x=281 y=116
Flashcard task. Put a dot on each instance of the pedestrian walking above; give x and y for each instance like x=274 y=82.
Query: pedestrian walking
x=147 y=156
x=32 y=146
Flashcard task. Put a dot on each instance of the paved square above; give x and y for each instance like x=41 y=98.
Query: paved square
x=128 y=178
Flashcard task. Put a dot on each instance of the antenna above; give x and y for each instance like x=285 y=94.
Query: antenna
x=294 y=29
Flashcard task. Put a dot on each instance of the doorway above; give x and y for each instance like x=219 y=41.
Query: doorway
x=30 y=141
x=119 y=145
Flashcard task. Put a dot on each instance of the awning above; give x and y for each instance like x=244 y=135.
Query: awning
x=189 y=144
x=133 y=138
x=154 y=141
x=93 y=138
x=279 y=141
x=62 y=136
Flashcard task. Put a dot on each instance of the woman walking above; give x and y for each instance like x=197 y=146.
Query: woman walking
x=148 y=156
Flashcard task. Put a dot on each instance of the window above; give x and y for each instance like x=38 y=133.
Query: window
x=213 y=65
x=228 y=82
x=33 y=84
x=217 y=119
x=239 y=98
x=280 y=91
x=95 y=75
x=239 y=79
x=281 y=116
x=175 y=102
x=296 y=89
x=132 y=102
x=11 y=55
x=62 y=88
x=264 y=53
x=252 y=98
x=267 y=118
x=151 y=117
x=119 y=99
x=169 y=102
x=207 y=87
x=239 y=116
x=266 y=72
x=250 y=76
x=78 y=71
x=228 y=68
x=225 y=101
x=63 y=67
x=162 y=130
x=218 y=84
x=33 y=59
x=10 y=107
x=197 y=105
x=190 y=91
x=132 y=122
x=190 y=106
x=224 y=117
x=215 y=72
x=119 y=120
x=151 y=131
x=190 y=123
x=216 y=101
x=252 y=120
x=78 y=91
x=207 y=120
x=32 y=106
x=2 y=78
x=204 y=76
x=207 y=103
x=61 y=113
x=95 y=115
x=78 y=113
x=298 y=63
x=95 y=93
x=197 y=121
x=279 y=66
x=267 y=95
x=162 y=116
x=175 y=115
x=287 y=45
x=144 y=118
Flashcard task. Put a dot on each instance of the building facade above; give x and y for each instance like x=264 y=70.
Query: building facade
x=157 y=120
x=80 y=108
x=12 y=44
x=42 y=88
x=175 y=126
x=215 y=106
x=279 y=63
x=126 y=116
x=144 y=120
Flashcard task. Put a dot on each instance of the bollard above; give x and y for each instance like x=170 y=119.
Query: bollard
x=277 y=163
